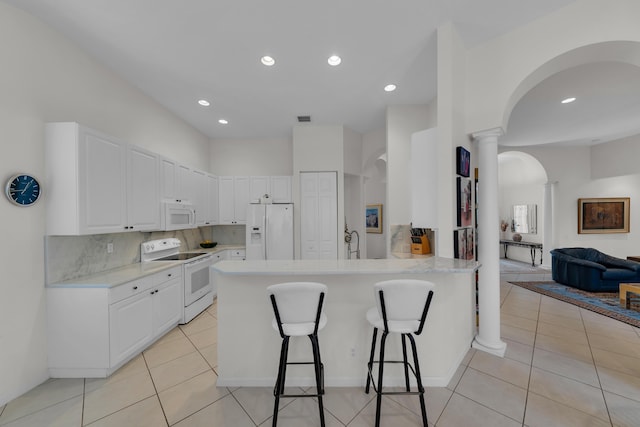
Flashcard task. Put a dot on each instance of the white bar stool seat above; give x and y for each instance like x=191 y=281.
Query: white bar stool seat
x=401 y=307
x=298 y=311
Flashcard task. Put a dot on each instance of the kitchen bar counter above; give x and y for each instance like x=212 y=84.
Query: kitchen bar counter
x=248 y=347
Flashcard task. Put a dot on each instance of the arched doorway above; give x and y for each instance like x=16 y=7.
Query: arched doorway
x=521 y=182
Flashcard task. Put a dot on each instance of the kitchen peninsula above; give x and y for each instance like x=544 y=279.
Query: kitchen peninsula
x=248 y=346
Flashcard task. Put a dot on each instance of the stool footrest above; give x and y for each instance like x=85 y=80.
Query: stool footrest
x=373 y=381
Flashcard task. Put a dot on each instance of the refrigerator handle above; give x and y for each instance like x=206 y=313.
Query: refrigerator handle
x=264 y=235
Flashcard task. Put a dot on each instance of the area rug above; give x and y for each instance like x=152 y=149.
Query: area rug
x=605 y=303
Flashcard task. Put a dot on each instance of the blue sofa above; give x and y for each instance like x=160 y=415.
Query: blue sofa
x=591 y=270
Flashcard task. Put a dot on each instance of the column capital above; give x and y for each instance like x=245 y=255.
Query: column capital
x=488 y=133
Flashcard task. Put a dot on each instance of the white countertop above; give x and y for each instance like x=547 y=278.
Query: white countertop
x=121 y=275
x=344 y=266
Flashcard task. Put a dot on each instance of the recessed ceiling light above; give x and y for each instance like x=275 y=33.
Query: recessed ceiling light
x=268 y=61
x=390 y=88
x=204 y=103
x=334 y=60
x=223 y=121
x=568 y=100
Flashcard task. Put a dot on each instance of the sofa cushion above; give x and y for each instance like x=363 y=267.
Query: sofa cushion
x=618 y=274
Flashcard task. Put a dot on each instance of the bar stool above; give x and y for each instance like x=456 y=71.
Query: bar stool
x=401 y=307
x=297 y=307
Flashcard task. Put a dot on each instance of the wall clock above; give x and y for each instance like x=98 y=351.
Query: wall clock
x=23 y=189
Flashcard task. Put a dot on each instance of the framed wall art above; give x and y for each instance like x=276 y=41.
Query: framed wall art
x=463 y=244
x=373 y=218
x=463 y=199
x=463 y=162
x=603 y=215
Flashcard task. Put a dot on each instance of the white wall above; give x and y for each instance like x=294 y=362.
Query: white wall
x=452 y=68
x=607 y=161
x=252 y=157
x=501 y=69
x=570 y=168
x=318 y=149
x=45 y=78
x=375 y=187
x=402 y=122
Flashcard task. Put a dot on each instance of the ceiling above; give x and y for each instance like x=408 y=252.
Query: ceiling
x=181 y=51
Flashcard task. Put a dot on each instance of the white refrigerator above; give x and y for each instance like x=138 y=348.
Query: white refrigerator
x=269 y=231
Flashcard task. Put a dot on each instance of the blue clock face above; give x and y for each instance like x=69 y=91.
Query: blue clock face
x=23 y=189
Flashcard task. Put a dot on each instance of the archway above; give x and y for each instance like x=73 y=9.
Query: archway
x=522 y=182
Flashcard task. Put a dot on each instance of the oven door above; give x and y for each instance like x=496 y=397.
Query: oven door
x=197 y=279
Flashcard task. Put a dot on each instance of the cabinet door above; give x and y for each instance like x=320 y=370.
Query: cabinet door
x=102 y=198
x=200 y=201
x=130 y=326
x=214 y=214
x=169 y=179
x=226 y=200
x=185 y=184
x=258 y=187
x=280 y=187
x=143 y=201
x=167 y=306
x=241 y=194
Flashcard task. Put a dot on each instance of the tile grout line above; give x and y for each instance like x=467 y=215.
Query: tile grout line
x=595 y=365
x=535 y=337
x=243 y=408
x=84 y=391
x=164 y=414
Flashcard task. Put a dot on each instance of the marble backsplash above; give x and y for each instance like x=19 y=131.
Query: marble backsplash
x=69 y=257
x=401 y=238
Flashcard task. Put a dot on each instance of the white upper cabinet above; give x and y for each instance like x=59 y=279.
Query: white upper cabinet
x=200 y=197
x=97 y=183
x=277 y=187
x=86 y=177
x=280 y=189
x=212 y=198
x=233 y=198
x=258 y=187
x=186 y=184
x=143 y=198
x=168 y=179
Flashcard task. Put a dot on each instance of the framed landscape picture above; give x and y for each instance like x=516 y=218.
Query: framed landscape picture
x=603 y=215
x=373 y=218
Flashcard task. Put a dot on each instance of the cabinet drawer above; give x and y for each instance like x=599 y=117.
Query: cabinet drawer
x=238 y=253
x=166 y=275
x=131 y=288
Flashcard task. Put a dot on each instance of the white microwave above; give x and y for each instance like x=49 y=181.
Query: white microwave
x=178 y=215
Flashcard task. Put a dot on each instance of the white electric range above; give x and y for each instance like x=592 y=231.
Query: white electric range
x=196 y=272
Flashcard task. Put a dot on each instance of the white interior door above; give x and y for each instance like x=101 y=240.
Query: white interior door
x=319 y=215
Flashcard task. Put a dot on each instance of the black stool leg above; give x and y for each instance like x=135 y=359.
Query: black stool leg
x=370 y=365
x=383 y=340
x=406 y=363
x=279 y=387
x=423 y=408
x=319 y=380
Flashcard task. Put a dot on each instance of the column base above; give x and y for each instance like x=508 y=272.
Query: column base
x=497 y=349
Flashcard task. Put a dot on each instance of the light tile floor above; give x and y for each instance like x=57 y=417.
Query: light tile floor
x=564 y=366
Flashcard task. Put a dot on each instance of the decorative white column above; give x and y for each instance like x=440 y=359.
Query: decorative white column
x=547 y=236
x=488 y=338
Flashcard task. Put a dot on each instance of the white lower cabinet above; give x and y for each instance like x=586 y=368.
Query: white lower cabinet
x=92 y=331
